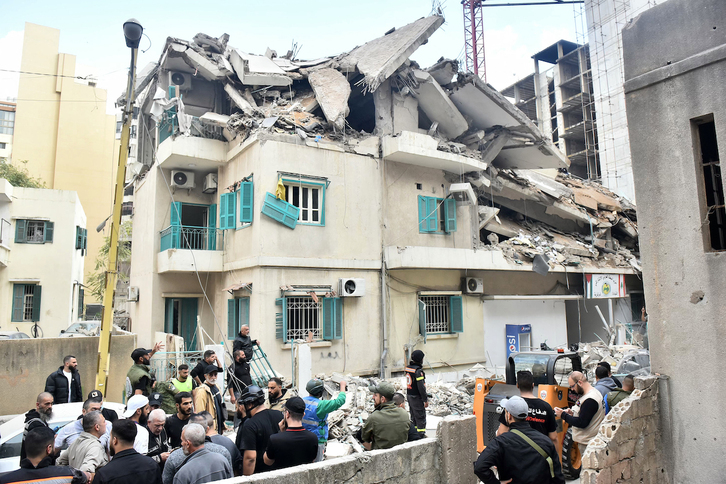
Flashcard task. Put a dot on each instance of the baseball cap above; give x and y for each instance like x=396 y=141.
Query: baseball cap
x=383 y=388
x=516 y=406
x=136 y=402
x=155 y=399
x=212 y=369
x=96 y=396
x=138 y=353
x=295 y=405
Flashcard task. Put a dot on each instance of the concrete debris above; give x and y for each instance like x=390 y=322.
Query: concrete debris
x=332 y=91
x=623 y=359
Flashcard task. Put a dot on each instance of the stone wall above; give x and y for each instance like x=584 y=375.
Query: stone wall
x=26 y=363
x=627 y=448
x=448 y=458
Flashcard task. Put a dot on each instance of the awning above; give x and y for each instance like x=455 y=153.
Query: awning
x=237 y=287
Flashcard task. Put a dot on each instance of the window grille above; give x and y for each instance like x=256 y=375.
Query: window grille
x=35 y=232
x=437 y=314
x=303 y=317
x=28 y=293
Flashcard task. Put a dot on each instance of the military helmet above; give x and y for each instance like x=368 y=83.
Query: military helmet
x=315 y=387
x=252 y=394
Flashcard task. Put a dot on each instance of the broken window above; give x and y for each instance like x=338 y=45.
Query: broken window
x=713 y=210
x=308 y=197
x=440 y=314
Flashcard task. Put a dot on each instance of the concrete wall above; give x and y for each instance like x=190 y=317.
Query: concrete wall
x=29 y=263
x=669 y=82
x=27 y=363
x=627 y=449
x=62 y=130
x=446 y=459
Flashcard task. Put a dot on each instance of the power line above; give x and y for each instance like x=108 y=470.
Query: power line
x=46 y=74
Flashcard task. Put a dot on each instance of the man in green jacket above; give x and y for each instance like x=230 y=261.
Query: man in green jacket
x=138 y=379
x=315 y=418
x=617 y=395
x=388 y=424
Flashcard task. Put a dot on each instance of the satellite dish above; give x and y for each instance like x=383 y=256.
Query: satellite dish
x=472 y=285
x=178 y=78
x=349 y=286
x=180 y=178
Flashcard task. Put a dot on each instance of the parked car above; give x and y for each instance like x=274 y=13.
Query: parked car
x=13 y=335
x=81 y=328
x=12 y=431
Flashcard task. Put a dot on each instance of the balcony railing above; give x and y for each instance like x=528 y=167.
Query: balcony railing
x=194 y=238
x=169 y=127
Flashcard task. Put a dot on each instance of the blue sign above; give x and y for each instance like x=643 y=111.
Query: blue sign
x=513 y=332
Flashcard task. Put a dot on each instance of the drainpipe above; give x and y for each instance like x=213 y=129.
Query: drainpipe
x=384 y=331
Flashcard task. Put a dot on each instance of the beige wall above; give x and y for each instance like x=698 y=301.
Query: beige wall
x=63 y=131
x=33 y=262
x=27 y=363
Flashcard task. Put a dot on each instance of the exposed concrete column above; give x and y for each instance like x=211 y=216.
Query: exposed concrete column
x=383 y=100
x=457 y=437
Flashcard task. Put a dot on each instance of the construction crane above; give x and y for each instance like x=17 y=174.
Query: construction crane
x=475 y=54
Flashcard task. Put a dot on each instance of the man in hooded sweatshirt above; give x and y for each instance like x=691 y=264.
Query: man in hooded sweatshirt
x=604 y=383
x=416 y=391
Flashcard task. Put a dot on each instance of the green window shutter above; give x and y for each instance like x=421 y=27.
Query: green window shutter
x=18 y=303
x=328 y=317
x=85 y=239
x=79 y=238
x=81 y=295
x=212 y=226
x=422 y=227
x=422 y=319
x=232 y=318
x=21 y=231
x=432 y=219
x=244 y=312
x=456 y=306
x=246 y=202
x=48 y=232
x=281 y=319
x=223 y=212
x=338 y=322
x=231 y=210
x=450 y=215
x=176 y=210
x=169 y=315
x=227 y=211
x=280 y=211
x=36 y=304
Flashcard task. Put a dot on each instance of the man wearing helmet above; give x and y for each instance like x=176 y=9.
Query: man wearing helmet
x=315 y=418
x=254 y=435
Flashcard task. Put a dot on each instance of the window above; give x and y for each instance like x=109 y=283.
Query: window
x=301 y=315
x=3 y=146
x=440 y=314
x=436 y=215
x=81 y=238
x=26 y=303
x=33 y=232
x=238 y=315
x=309 y=198
x=246 y=202
x=81 y=295
x=7 y=122
x=127 y=208
x=713 y=210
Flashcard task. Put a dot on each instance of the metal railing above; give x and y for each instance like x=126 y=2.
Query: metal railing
x=5 y=231
x=169 y=127
x=194 y=238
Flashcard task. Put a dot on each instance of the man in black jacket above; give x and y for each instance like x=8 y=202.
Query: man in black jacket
x=65 y=384
x=416 y=392
x=243 y=342
x=38 y=418
x=516 y=453
x=127 y=466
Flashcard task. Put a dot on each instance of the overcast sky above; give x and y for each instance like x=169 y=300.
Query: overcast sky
x=93 y=31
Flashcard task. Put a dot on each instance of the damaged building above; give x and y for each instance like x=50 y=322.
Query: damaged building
x=365 y=203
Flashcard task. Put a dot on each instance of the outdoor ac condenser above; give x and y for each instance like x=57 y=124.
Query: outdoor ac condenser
x=350 y=287
x=182 y=80
x=473 y=285
x=182 y=179
x=210 y=183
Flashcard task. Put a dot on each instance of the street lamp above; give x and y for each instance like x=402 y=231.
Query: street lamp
x=132 y=32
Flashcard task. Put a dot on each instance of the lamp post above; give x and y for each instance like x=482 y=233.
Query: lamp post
x=132 y=32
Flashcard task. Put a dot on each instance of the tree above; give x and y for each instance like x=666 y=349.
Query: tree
x=18 y=175
x=97 y=280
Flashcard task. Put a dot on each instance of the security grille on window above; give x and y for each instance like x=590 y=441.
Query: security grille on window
x=302 y=315
x=33 y=232
x=440 y=314
x=308 y=199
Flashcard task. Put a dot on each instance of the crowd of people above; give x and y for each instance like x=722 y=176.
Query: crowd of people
x=174 y=432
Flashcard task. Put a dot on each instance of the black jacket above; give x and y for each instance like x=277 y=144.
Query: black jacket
x=129 y=467
x=515 y=459
x=57 y=385
x=244 y=343
x=416 y=381
x=45 y=472
x=32 y=421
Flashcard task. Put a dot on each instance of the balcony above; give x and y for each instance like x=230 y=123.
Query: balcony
x=184 y=249
x=204 y=146
x=5 y=234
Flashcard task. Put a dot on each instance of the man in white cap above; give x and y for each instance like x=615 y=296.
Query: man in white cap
x=137 y=410
x=522 y=454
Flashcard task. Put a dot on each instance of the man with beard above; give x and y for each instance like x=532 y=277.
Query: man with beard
x=200 y=465
x=138 y=379
x=238 y=375
x=388 y=425
x=68 y=434
x=208 y=398
x=587 y=414
x=127 y=466
x=276 y=395
x=38 y=417
x=137 y=410
x=210 y=358
x=65 y=384
x=176 y=422
x=158 y=440
x=243 y=342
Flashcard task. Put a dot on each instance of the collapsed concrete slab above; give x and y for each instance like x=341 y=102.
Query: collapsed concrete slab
x=422 y=150
x=378 y=59
x=257 y=70
x=434 y=101
x=332 y=91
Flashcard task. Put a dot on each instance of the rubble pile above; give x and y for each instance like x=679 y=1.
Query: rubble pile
x=626 y=359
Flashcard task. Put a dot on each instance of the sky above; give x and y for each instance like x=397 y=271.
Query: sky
x=93 y=32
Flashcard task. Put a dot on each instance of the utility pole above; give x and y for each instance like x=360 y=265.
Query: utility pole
x=132 y=32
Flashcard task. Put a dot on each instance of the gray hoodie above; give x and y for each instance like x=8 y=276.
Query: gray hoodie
x=604 y=385
x=203 y=466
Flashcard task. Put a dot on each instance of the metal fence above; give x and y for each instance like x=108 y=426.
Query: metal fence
x=188 y=237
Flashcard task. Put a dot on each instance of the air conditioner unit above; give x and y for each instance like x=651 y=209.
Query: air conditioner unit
x=463 y=193
x=473 y=285
x=133 y=294
x=182 y=179
x=210 y=183
x=182 y=80
x=352 y=287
